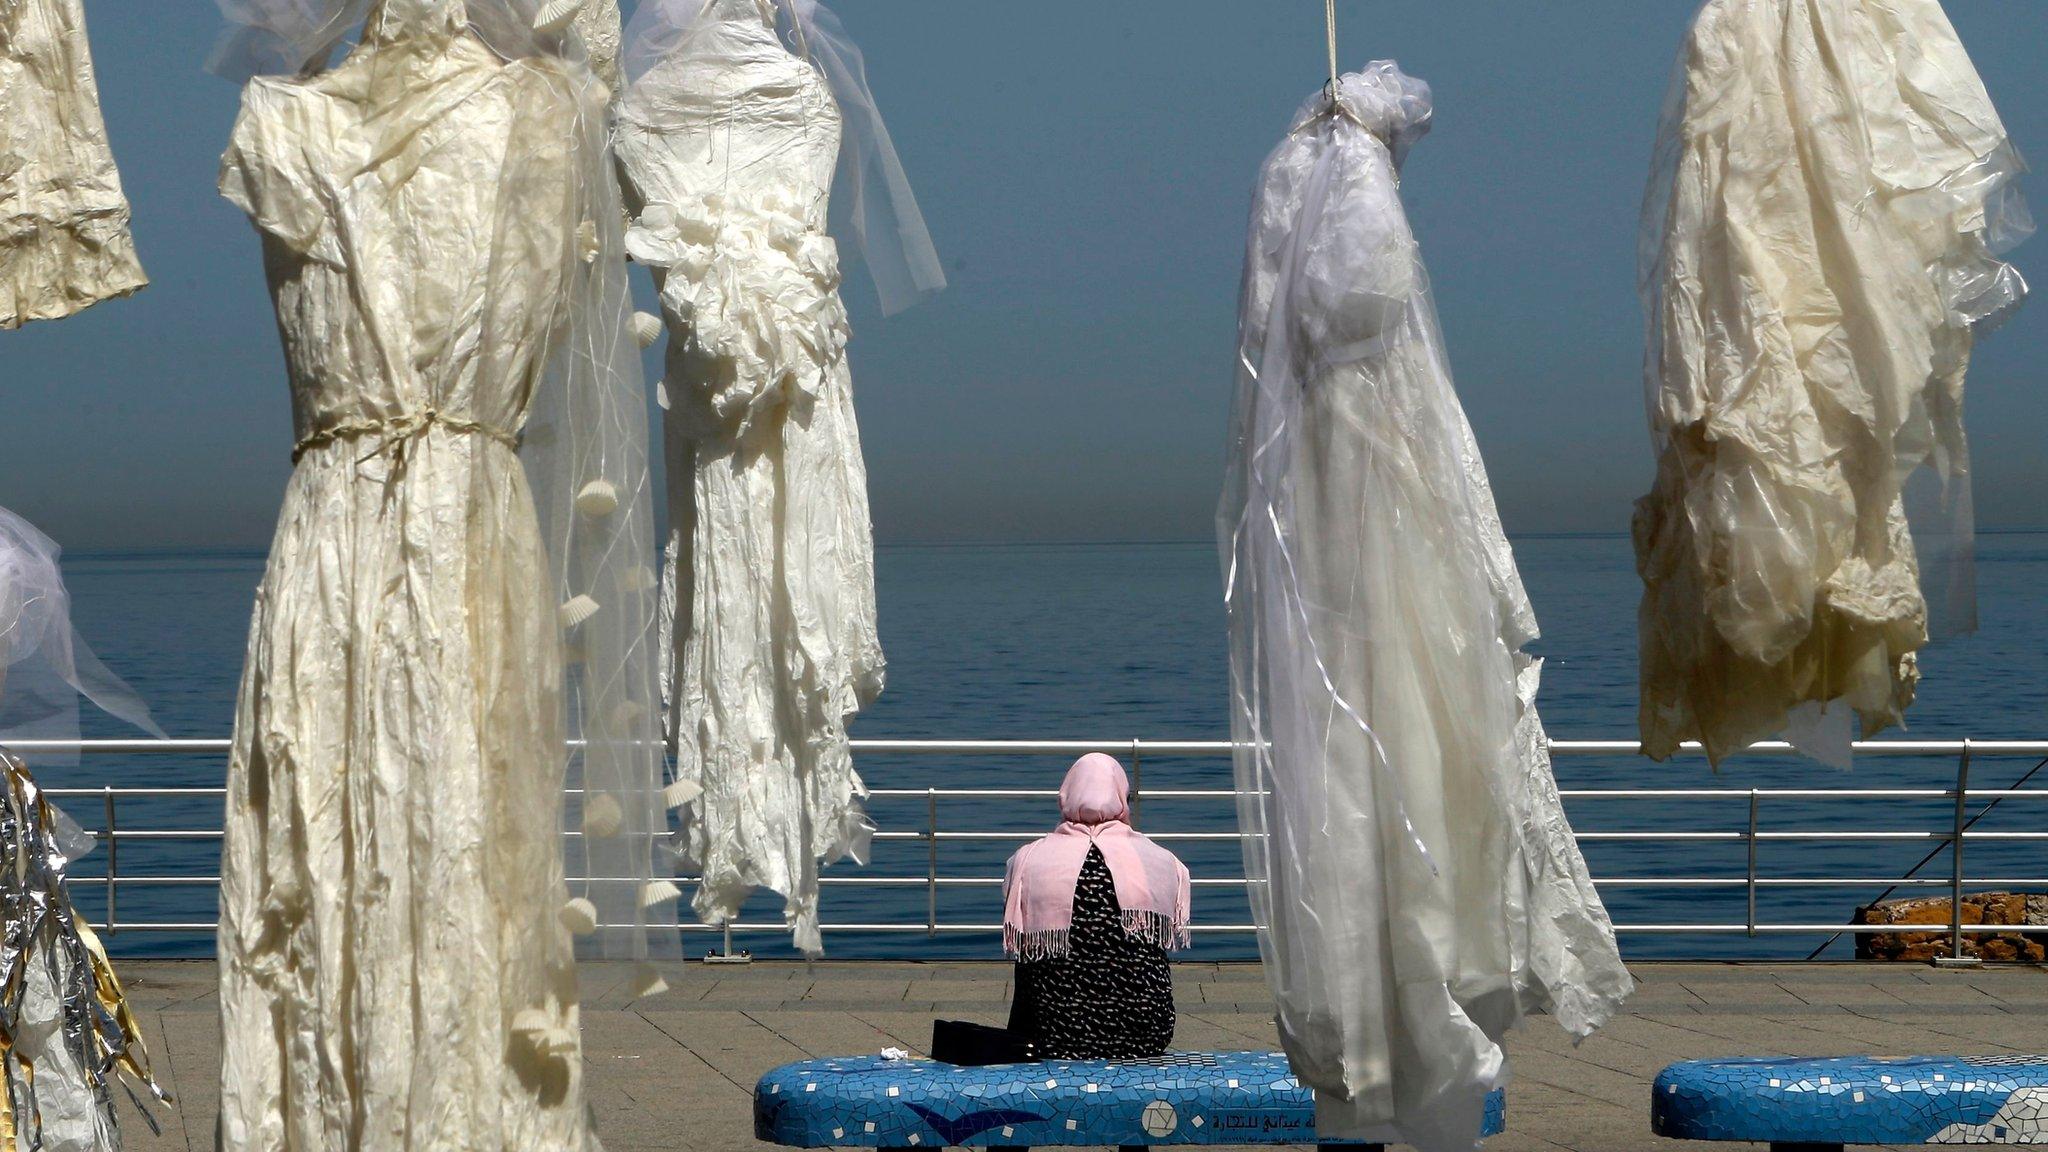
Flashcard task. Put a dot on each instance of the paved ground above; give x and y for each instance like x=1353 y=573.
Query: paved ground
x=677 y=1072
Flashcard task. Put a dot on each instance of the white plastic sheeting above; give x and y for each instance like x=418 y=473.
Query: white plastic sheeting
x=64 y=241
x=1416 y=886
x=460 y=586
x=1819 y=249
x=45 y=665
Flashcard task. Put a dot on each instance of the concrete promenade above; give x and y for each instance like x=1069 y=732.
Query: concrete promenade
x=677 y=1072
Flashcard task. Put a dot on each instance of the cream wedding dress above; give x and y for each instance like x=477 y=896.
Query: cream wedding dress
x=392 y=871
x=64 y=242
x=1818 y=255
x=729 y=145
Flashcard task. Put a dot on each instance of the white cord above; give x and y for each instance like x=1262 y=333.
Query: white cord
x=1330 y=32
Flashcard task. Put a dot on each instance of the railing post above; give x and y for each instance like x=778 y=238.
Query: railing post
x=1955 y=957
x=1137 y=781
x=931 y=875
x=1751 y=885
x=113 y=859
x=725 y=954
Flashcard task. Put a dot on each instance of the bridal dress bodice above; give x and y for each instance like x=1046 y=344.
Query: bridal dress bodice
x=394 y=975
x=64 y=242
x=733 y=167
x=729 y=145
x=397 y=308
x=1416 y=884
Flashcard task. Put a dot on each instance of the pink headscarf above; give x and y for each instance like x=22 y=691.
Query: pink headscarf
x=1038 y=892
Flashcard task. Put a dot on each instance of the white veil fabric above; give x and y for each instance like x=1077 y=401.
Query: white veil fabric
x=874 y=209
x=1830 y=193
x=45 y=666
x=584 y=446
x=1416 y=886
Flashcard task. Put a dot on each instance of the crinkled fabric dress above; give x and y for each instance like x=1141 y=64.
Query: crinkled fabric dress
x=728 y=146
x=392 y=871
x=1416 y=885
x=64 y=242
x=1832 y=184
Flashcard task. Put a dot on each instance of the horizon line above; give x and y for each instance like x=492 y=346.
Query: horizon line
x=245 y=551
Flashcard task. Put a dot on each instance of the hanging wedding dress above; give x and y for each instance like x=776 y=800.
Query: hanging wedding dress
x=454 y=559
x=1818 y=252
x=1416 y=886
x=728 y=142
x=64 y=241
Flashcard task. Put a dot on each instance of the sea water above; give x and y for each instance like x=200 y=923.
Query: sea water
x=1114 y=642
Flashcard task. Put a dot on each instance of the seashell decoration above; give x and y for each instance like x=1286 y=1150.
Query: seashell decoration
x=626 y=713
x=681 y=792
x=579 y=916
x=646 y=328
x=554 y=16
x=647 y=981
x=602 y=816
x=655 y=893
x=578 y=609
x=600 y=497
x=541 y=1030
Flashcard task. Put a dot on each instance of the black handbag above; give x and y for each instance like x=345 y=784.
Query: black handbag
x=971 y=1045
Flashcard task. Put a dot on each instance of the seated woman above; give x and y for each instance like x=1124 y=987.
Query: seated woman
x=1089 y=912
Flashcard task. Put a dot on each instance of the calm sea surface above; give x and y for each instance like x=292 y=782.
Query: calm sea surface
x=1112 y=642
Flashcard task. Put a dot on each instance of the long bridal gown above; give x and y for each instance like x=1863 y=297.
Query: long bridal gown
x=729 y=143
x=392 y=873
x=1415 y=881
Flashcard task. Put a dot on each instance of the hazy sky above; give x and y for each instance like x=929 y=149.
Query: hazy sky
x=1085 y=168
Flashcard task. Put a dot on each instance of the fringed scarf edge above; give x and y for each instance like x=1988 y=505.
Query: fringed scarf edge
x=1169 y=933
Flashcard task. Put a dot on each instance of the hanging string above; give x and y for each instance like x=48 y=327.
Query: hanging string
x=1330 y=34
x=1337 y=107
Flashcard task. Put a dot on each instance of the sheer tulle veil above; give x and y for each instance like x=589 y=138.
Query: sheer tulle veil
x=45 y=666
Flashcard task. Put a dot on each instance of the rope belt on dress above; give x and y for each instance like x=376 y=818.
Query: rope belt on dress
x=395 y=431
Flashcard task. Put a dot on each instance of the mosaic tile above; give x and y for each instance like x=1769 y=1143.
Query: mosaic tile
x=1182 y=1098
x=1855 y=1100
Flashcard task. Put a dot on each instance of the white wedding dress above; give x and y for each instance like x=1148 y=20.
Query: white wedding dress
x=64 y=241
x=728 y=144
x=1818 y=252
x=1416 y=885
x=392 y=871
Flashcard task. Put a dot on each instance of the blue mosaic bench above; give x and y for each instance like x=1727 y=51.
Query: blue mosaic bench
x=1182 y=1098
x=1825 y=1104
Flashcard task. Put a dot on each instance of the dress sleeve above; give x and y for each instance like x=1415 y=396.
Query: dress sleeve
x=264 y=171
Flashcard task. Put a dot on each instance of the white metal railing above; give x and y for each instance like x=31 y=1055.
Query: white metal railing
x=1953 y=836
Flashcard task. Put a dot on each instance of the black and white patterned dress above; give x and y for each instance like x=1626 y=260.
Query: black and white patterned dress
x=1110 y=997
